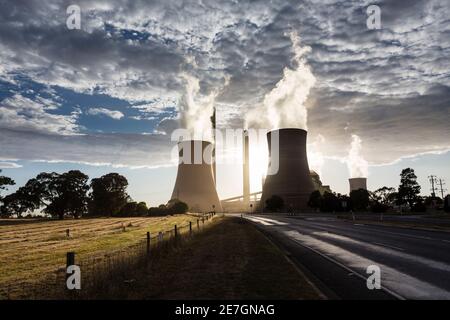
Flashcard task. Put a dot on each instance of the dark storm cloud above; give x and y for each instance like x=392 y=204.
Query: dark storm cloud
x=378 y=84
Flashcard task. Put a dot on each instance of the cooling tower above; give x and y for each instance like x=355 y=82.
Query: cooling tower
x=195 y=181
x=292 y=181
x=358 y=183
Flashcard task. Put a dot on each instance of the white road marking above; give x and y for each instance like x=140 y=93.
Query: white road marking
x=272 y=221
x=385 y=249
x=265 y=223
x=392 y=279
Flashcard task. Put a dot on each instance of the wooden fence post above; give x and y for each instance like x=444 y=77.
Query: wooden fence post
x=198 y=224
x=68 y=233
x=70 y=261
x=175 y=231
x=148 y=243
x=190 y=227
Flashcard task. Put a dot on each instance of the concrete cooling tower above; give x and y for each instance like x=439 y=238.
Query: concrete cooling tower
x=357 y=183
x=195 y=183
x=292 y=181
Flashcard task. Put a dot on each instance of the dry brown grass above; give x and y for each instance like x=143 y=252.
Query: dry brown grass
x=30 y=250
x=230 y=259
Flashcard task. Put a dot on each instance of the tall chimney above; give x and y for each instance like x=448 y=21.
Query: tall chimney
x=292 y=181
x=195 y=182
x=213 y=126
x=357 y=183
x=246 y=171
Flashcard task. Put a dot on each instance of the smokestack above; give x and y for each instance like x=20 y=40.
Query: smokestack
x=246 y=171
x=213 y=126
x=357 y=183
x=195 y=182
x=293 y=181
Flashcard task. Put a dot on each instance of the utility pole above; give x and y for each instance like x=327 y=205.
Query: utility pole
x=433 y=181
x=441 y=187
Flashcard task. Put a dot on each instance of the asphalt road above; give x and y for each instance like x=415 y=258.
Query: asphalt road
x=335 y=254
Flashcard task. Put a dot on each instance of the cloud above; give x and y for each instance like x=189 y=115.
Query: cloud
x=133 y=150
x=113 y=114
x=21 y=113
x=9 y=165
x=388 y=86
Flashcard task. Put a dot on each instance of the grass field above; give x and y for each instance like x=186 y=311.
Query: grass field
x=32 y=249
x=230 y=259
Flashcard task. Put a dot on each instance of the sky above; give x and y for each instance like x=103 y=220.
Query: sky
x=106 y=98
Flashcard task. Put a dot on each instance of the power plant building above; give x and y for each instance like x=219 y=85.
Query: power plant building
x=195 y=183
x=357 y=183
x=292 y=181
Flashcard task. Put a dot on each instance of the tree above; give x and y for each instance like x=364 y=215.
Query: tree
x=315 y=200
x=329 y=202
x=141 y=209
x=419 y=205
x=62 y=194
x=409 y=189
x=108 y=195
x=133 y=208
x=175 y=206
x=359 y=199
x=5 y=181
x=274 y=203
x=384 y=195
x=161 y=210
x=128 y=210
x=25 y=199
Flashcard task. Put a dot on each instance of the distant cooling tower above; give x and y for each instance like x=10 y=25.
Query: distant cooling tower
x=358 y=183
x=293 y=181
x=195 y=181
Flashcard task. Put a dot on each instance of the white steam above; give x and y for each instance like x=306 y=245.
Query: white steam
x=196 y=109
x=284 y=106
x=357 y=165
x=315 y=156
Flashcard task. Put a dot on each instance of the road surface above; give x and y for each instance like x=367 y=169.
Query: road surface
x=335 y=254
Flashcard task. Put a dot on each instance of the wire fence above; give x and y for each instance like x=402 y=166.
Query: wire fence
x=100 y=269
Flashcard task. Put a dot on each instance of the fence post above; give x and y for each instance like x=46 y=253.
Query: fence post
x=203 y=220
x=148 y=243
x=68 y=233
x=175 y=231
x=198 y=224
x=190 y=227
x=70 y=261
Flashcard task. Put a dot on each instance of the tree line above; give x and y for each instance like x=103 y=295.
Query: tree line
x=407 y=196
x=70 y=194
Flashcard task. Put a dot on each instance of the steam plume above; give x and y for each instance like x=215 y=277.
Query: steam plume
x=315 y=156
x=357 y=165
x=284 y=106
x=196 y=109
